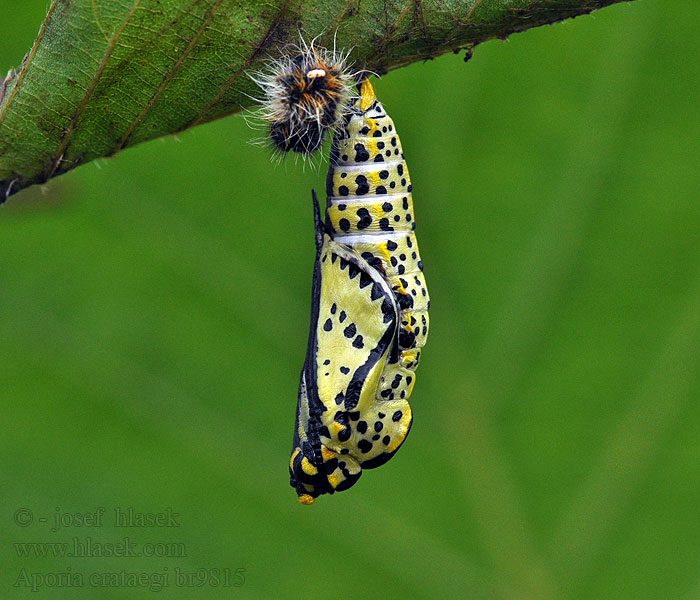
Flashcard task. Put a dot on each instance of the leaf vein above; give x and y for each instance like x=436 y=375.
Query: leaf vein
x=58 y=156
x=27 y=62
x=202 y=115
x=168 y=78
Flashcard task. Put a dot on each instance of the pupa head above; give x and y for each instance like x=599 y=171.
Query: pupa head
x=333 y=473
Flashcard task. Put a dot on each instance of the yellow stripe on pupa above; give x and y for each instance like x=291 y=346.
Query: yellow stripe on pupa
x=367 y=95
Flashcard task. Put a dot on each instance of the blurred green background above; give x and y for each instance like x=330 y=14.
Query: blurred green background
x=154 y=313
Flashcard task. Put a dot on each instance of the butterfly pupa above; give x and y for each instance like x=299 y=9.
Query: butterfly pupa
x=369 y=316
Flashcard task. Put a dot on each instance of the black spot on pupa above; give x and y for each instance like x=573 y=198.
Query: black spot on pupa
x=344 y=224
x=328 y=325
x=391 y=245
x=373 y=261
x=361 y=154
x=384 y=225
x=362 y=185
x=396 y=417
x=358 y=342
x=365 y=446
x=344 y=370
x=330 y=465
x=404 y=301
x=362 y=426
x=407 y=339
x=378 y=426
x=388 y=310
x=350 y=330
x=343 y=190
x=365 y=218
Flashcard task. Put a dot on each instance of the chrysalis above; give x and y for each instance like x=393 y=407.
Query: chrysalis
x=369 y=316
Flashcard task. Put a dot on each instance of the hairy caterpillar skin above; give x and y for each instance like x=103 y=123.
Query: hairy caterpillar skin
x=306 y=95
x=369 y=316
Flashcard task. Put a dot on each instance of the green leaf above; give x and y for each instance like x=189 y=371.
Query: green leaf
x=104 y=75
